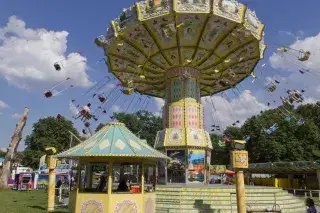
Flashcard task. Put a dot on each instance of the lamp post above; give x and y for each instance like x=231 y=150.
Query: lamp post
x=239 y=160
x=51 y=161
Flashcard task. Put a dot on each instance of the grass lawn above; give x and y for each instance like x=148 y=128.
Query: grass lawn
x=24 y=202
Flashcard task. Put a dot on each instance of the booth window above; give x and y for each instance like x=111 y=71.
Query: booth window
x=126 y=178
x=94 y=177
x=149 y=178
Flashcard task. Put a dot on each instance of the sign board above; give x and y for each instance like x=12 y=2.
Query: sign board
x=239 y=159
x=218 y=169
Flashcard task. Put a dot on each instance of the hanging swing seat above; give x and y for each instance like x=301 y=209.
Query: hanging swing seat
x=288 y=118
x=128 y=91
x=100 y=41
x=272 y=87
x=59 y=116
x=246 y=138
x=300 y=122
x=318 y=103
x=304 y=56
x=272 y=129
x=127 y=83
x=102 y=99
x=282 y=49
x=48 y=94
x=57 y=66
x=87 y=124
x=169 y=30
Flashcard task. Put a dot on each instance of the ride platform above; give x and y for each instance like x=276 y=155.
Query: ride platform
x=222 y=199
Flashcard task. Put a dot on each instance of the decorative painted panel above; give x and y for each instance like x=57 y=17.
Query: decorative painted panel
x=176 y=90
x=160 y=60
x=172 y=56
x=175 y=137
x=127 y=19
x=191 y=90
x=164 y=31
x=200 y=56
x=149 y=204
x=192 y=116
x=187 y=54
x=253 y=24
x=92 y=206
x=229 y=9
x=125 y=50
x=142 y=40
x=195 y=137
x=196 y=166
x=190 y=28
x=176 y=116
x=215 y=31
x=194 y=6
x=235 y=40
x=154 y=8
x=239 y=159
x=126 y=206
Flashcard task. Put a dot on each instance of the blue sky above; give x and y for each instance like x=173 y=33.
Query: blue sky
x=84 y=20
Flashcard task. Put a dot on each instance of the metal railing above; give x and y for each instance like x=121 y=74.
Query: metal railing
x=306 y=192
x=272 y=207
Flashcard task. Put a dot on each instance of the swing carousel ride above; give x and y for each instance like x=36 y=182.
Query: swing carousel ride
x=182 y=50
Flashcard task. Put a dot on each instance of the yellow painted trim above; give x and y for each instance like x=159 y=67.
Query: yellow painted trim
x=243 y=13
x=115 y=29
x=260 y=31
x=139 y=13
x=175 y=5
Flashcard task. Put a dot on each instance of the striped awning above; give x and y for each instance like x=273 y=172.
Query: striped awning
x=113 y=140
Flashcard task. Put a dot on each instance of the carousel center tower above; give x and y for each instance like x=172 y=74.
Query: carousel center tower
x=182 y=50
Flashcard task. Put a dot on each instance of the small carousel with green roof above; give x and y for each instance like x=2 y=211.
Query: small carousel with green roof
x=116 y=172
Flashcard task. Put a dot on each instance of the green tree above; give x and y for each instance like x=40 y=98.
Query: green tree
x=220 y=154
x=47 y=132
x=2 y=154
x=100 y=126
x=290 y=142
x=142 y=123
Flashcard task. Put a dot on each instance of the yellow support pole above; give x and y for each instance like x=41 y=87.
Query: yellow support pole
x=239 y=160
x=142 y=179
x=52 y=183
x=241 y=194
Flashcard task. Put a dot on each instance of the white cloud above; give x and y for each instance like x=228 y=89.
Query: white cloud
x=73 y=109
x=240 y=108
x=110 y=86
x=293 y=79
x=3 y=105
x=16 y=116
x=27 y=57
x=115 y=108
x=159 y=103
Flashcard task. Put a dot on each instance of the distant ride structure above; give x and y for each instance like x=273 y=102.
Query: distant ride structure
x=182 y=50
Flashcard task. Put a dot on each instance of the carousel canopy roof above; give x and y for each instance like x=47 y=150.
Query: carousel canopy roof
x=114 y=140
x=222 y=39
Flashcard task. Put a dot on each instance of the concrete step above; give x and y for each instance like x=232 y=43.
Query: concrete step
x=295 y=210
x=222 y=194
x=218 y=202
x=219 y=198
x=218 y=189
x=257 y=206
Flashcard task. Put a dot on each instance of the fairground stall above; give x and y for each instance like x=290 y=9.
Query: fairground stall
x=117 y=172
